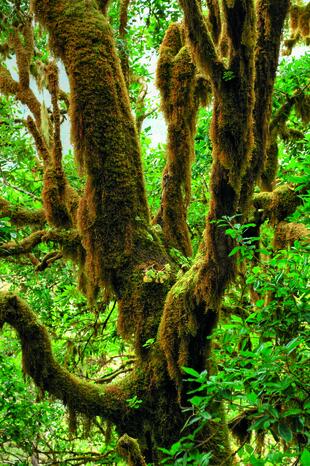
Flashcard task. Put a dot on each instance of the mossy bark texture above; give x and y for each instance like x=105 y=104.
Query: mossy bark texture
x=178 y=83
x=233 y=51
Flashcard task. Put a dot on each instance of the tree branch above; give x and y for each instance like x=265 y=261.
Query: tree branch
x=21 y=216
x=214 y=19
x=200 y=42
x=278 y=204
x=103 y=131
x=39 y=363
x=271 y=15
x=13 y=248
x=68 y=239
x=177 y=82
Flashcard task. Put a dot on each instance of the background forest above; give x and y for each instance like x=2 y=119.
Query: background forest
x=260 y=345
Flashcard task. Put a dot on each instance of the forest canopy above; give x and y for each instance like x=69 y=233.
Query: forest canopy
x=154 y=232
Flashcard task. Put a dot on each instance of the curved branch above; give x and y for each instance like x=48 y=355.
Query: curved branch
x=39 y=363
x=70 y=240
x=25 y=246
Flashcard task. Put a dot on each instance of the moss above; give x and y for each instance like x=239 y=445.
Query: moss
x=104 y=5
x=214 y=19
x=182 y=91
x=299 y=26
x=7 y=84
x=39 y=363
x=270 y=22
x=278 y=204
x=269 y=173
x=287 y=233
x=23 y=43
x=21 y=216
x=103 y=132
x=129 y=449
x=26 y=245
x=54 y=198
x=302 y=107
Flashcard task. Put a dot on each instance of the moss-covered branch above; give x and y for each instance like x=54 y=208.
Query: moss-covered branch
x=178 y=84
x=23 y=51
x=270 y=20
x=104 y=133
x=201 y=45
x=69 y=240
x=239 y=17
x=277 y=128
x=129 y=449
x=278 y=204
x=299 y=26
x=39 y=363
x=8 y=86
x=13 y=248
x=214 y=20
x=21 y=216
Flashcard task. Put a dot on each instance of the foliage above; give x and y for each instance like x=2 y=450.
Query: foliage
x=262 y=356
x=257 y=374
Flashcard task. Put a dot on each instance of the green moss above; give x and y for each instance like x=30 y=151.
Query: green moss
x=129 y=449
x=103 y=132
x=287 y=233
x=39 y=363
x=278 y=204
x=182 y=91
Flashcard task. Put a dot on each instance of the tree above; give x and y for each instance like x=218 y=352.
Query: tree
x=230 y=56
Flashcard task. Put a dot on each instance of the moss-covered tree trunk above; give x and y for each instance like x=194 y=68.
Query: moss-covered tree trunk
x=233 y=51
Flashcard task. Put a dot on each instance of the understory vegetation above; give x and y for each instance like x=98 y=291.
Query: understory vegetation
x=154 y=288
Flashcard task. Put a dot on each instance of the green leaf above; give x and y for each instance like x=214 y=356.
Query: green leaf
x=285 y=432
x=190 y=371
x=305 y=458
x=234 y=251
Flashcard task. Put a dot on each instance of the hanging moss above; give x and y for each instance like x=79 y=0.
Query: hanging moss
x=299 y=26
x=129 y=449
x=182 y=91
